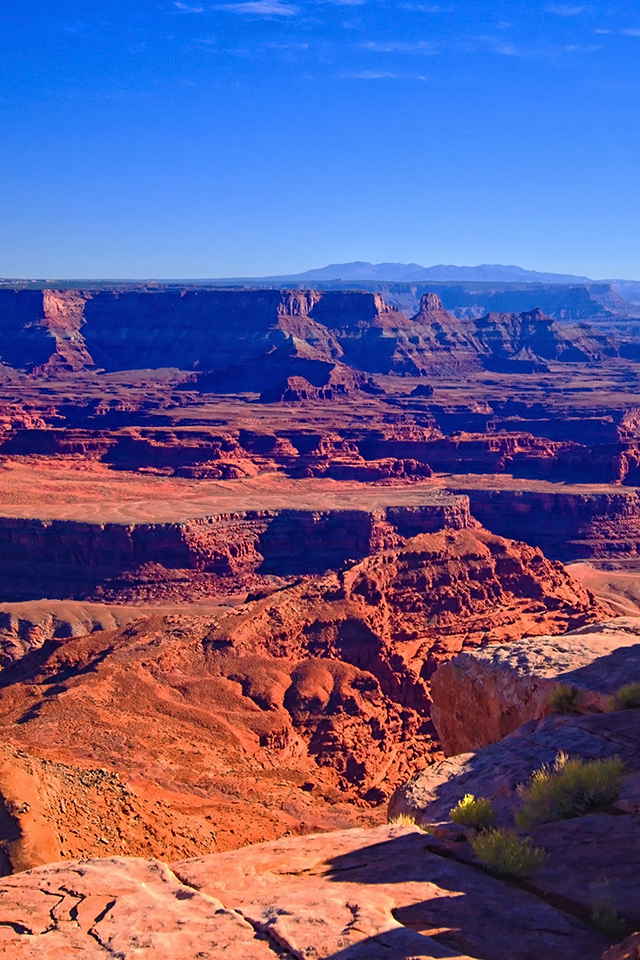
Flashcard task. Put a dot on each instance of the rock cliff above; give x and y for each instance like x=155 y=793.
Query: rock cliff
x=250 y=340
x=565 y=524
x=503 y=686
x=224 y=551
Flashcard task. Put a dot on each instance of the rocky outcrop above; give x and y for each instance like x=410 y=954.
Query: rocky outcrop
x=27 y=626
x=585 y=523
x=298 y=710
x=73 y=560
x=497 y=770
x=359 y=895
x=591 y=859
x=303 y=334
x=482 y=695
x=599 y=303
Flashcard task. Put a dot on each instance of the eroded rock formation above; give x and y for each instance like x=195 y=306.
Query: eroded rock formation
x=284 y=333
x=285 y=709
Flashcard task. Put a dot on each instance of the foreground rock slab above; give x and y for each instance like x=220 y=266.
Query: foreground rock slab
x=592 y=859
x=497 y=770
x=374 y=894
x=380 y=894
x=121 y=908
x=482 y=695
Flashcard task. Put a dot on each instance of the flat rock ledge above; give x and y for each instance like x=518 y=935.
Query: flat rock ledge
x=482 y=695
x=382 y=894
x=591 y=858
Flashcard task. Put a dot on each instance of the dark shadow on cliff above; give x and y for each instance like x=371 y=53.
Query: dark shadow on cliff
x=608 y=673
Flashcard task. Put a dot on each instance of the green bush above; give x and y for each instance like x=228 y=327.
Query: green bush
x=564 y=699
x=473 y=812
x=627 y=698
x=504 y=852
x=606 y=919
x=406 y=820
x=570 y=788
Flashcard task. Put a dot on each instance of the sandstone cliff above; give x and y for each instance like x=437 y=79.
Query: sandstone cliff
x=255 y=338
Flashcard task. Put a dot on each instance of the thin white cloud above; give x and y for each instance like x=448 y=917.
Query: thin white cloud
x=564 y=9
x=186 y=8
x=632 y=32
x=401 y=46
x=381 y=75
x=425 y=7
x=260 y=8
x=505 y=49
x=511 y=50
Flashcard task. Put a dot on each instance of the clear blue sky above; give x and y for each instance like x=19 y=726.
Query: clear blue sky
x=153 y=138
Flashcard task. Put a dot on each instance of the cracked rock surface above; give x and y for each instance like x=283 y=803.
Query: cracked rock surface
x=385 y=893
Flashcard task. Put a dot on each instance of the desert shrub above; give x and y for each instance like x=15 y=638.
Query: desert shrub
x=606 y=919
x=503 y=851
x=626 y=698
x=406 y=820
x=564 y=699
x=473 y=812
x=569 y=788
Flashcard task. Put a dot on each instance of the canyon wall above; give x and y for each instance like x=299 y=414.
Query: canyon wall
x=565 y=525
x=67 y=559
x=344 y=453
x=591 y=302
x=252 y=338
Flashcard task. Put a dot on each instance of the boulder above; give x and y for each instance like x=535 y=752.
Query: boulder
x=496 y=771
x=484 y=694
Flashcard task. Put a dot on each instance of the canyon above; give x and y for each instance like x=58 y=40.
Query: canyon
x=277 y=565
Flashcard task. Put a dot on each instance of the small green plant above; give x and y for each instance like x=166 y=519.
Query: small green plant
x=626 y=698
x=564 y=699
x=606 y=919
x=569 y=788
x=504 y=852
x=473 y=812
x=406 y=820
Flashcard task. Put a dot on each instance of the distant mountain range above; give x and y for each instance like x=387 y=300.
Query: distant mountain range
x=414 y=273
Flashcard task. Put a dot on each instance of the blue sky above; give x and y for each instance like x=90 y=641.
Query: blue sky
x=154 y=138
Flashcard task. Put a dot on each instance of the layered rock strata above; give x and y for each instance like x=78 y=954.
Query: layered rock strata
x=566 y=525
x=60 y=558
x=297 y=711
x=318 y=336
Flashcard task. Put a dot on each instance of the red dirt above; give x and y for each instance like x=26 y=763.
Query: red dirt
x=297 y=712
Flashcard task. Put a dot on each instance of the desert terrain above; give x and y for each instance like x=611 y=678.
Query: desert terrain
x=253 y=545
